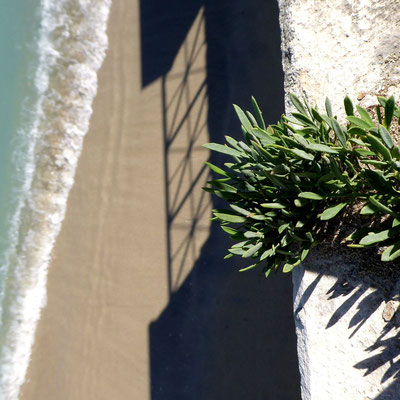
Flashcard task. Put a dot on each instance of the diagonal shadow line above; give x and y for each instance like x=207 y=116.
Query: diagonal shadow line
x=178 y=75
x=192 y=58
x=345 y=307
x=391 y=348
x=176 y=210
x=182 y=173
x=366 y=308
x=193 y=55
x=192 y=140
x=177 y=91
x=307 y=294
x=181 y=93
x=187 y=246
x=196 y=216
x=171 y=138
x=171 y=135
x=200 y=213
x=178 y=107
x=182 y=163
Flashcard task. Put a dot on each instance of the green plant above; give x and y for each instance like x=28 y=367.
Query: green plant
x=289 y=179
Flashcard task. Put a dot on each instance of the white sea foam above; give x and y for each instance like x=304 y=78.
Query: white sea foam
x=71 y=46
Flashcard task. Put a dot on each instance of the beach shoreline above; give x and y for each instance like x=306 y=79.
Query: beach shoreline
x=87 y=344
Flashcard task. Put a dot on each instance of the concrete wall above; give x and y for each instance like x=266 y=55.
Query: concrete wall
x=346 y=349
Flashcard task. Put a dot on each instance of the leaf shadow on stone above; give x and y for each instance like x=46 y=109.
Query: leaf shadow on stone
x=364 y=291
x=389 y=354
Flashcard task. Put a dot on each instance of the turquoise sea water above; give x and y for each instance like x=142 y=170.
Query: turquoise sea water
x=19 y=25
x=50 y=51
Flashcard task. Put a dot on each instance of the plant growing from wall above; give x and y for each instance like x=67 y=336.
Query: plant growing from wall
x=288 y=180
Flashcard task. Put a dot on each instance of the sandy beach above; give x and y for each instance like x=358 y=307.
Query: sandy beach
x=140 y=303
x=93 y=299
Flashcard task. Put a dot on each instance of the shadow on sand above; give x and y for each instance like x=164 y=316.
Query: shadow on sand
x=223 y=335
x=226 y=335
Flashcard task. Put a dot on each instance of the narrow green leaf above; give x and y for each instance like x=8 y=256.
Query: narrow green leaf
x=273 y=205
x=230 y=217
x=368 y=209
x=252 y=250
x=374 y=162
x=357 y=131
x=357 y=235
x=233 y=142
x=216 y=169
x=281 y=169
x=268 y=271
x=365 y=116
x=305 y=252
x=316 y=115
x=328 y=107
x=311 y=196
x=268 y=253
x=283 y=227
x=258 y=113
x=240 y=210
x=378 y=181
x=243 y=119
x=381 y=207
x=224 y=187
x=252 y=235
x=252 y=120
x=230 y=255
x=389 y=110
x=287 y=213
x=244 y=147
x=386 y=137
x=300 y=202
x=310 y=237
x=321 y=148
x=340 y=134
x=348 y=106
x=332 y=211
x=376 y=237
x=258 y=217
x=264 y=137
x=396 y=154
x=240 y=245
x=236 y=251
x=249 y=267
x=300 y=139
x=297 y=103
x=378 y=114
x=289 y=266
x=391 y=253
x=223 y=149
x=304 y=119
x=229 y=230
x=359 y=122
x=302 y=154
x=379 y=147
x=364 y=152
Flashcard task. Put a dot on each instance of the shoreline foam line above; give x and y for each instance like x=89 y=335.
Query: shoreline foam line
x=72 y=46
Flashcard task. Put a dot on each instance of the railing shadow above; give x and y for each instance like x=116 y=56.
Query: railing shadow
x=223 y=335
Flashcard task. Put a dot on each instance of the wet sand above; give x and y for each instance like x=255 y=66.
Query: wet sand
x=140 y=303
x=91 y=342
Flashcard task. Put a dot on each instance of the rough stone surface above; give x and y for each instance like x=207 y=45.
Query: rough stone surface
x=346 y=348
